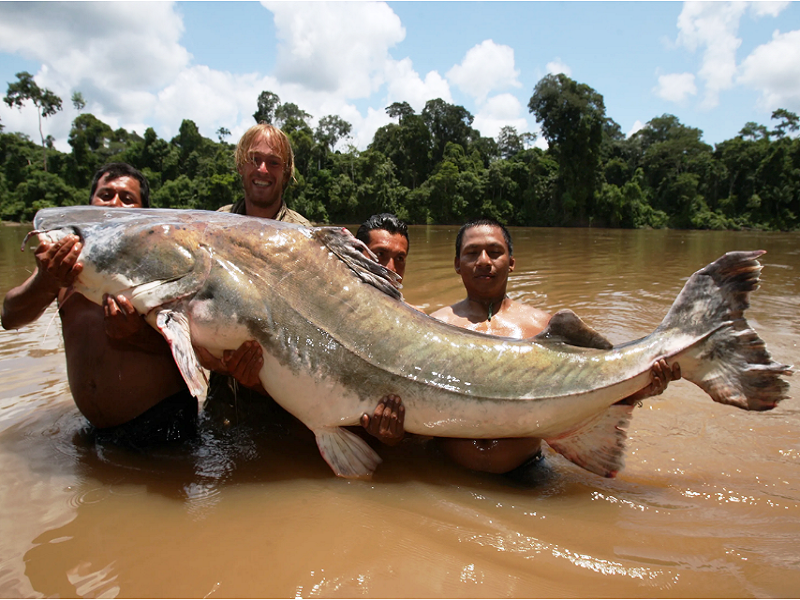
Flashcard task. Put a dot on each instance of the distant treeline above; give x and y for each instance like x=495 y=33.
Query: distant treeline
x=434 y=167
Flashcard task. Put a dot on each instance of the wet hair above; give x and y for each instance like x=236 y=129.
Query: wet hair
x=478 y=223
x=274 y=137
x=120 y=169
x=386 y=221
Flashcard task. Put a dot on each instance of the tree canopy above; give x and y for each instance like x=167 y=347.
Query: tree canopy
x=434 y=167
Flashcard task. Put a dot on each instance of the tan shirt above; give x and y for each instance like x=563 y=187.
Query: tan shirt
x=285 y=214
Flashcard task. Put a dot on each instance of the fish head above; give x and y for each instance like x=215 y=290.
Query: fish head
x=151 y=256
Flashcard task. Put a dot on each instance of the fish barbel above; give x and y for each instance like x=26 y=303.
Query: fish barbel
x=336 y=335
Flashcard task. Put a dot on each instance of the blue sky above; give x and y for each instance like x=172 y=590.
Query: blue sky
x=715 y=65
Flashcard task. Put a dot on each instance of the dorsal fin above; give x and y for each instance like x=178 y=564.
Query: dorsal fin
x=351 y=251
x=566 y=327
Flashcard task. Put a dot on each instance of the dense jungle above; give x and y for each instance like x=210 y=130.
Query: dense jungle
x=432 y=167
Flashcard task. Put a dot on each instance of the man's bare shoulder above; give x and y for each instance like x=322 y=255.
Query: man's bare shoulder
x=526 y=310
x=528 y=319
x=449 y=314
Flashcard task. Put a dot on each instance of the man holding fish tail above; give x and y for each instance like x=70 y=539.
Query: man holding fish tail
x=484 y=259
x=121 y=372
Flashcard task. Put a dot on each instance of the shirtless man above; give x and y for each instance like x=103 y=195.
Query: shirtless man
x=121 y=372
x=484 y=258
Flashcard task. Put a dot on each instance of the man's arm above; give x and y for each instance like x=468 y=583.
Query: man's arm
x=57 y=267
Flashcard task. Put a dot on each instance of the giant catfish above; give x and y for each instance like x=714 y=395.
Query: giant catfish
x=336 y=335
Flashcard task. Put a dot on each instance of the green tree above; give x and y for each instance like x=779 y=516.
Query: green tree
x=78 y=102
x=222 y=133
x=267 y=105
x=408 y=145
x=86 y=137
x=46 y=102
x=456 y=187
x=448 y=124
x=399 y=110
x=754 y=131
x=289 y=117
x=330 y=130
x=786 y=121
x=674 y=160
x=572 y=116
x=509 y=142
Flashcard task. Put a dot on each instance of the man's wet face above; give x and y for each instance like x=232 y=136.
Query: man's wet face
x=122 y=192
x=484 y=261
x=262 y=175
x=390 y=248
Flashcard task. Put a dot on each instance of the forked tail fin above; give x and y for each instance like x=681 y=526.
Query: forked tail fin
x=731 y=364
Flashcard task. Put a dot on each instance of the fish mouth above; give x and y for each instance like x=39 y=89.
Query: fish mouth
x=47 y=235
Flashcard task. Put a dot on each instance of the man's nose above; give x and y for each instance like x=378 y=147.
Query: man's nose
x=483 y=258
x=116 y=201
x=390 y=265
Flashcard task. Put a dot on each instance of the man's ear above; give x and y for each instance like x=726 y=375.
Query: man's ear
x=457 y=265
x=511 y=263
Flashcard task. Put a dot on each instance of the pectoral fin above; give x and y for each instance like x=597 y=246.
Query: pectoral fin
x=174 y=326
x=346 y=453
x=597 y=445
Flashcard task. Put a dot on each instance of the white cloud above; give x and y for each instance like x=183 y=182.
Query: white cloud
x=84 y=51
x=339 y=48
x=774 y=70
x=498 y=112
x=557 y=66
x=365 y=127
x=712 y=26
x=637 y=126
x=211 y=99
x=405 y=85
x=772 y=9
x=141 y=76
x=118 y=70
x=485 y=67
x=675 y=87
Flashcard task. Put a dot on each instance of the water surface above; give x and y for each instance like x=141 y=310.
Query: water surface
x=708 y=505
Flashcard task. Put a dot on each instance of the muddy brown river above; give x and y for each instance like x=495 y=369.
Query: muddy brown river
x=707 y=506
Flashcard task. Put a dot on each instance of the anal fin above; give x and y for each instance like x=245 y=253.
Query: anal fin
x=597 y=445
x=346 y=453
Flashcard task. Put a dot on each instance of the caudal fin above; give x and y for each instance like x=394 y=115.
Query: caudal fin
x=731 y=364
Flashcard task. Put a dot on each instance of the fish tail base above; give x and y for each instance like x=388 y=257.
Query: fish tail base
x=731 y=364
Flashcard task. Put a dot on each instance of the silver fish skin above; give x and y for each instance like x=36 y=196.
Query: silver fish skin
x=336 y=335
